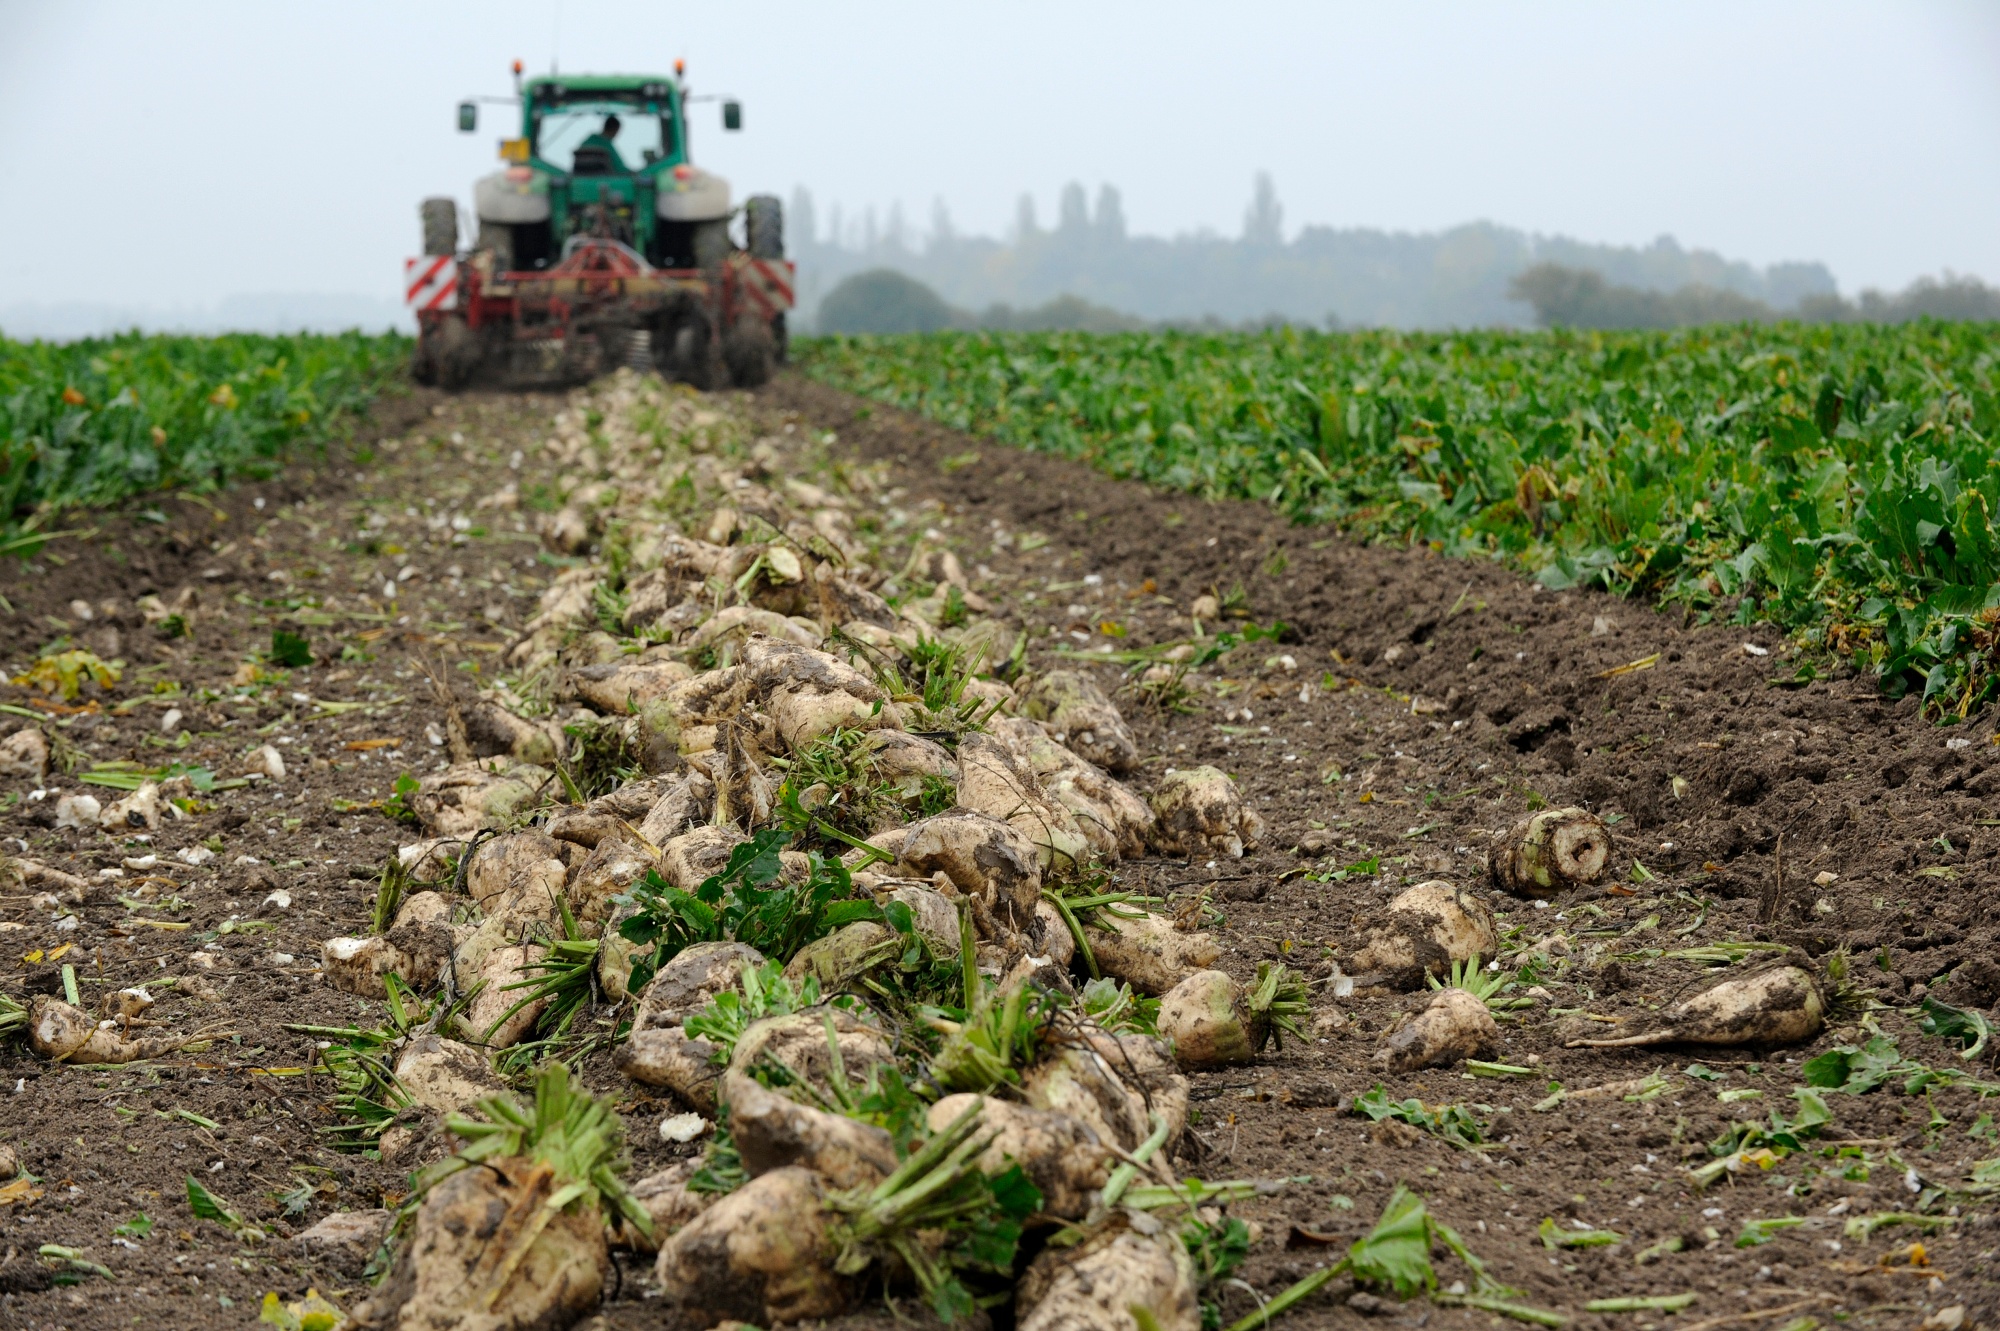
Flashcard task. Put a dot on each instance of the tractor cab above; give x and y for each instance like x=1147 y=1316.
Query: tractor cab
x=604 y=156
x=604 y=139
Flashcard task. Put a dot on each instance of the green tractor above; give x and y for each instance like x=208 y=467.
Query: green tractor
x=600 y=244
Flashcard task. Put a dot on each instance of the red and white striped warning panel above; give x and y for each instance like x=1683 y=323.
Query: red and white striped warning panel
x=765 y=283
x=429 y=282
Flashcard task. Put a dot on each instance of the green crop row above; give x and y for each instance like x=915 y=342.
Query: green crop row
x=92 y=422
x=1839 y=480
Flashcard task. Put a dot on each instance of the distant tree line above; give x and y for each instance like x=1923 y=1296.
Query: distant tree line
x=1315 y=275
x=1565 y=297
x=883 y=300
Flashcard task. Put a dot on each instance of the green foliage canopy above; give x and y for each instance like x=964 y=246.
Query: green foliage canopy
x=1837 y=479
x=96 y=421
x=884 y=301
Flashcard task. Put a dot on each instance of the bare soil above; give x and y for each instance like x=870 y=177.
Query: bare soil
x=1412 y=708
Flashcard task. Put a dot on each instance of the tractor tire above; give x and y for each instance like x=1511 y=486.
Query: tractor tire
x=440 y=218
x=423 y=360
x=712 y=245
x=764 y=226
x=687 y=350
x=751 y=352
x=498 y=237
x=457 y=353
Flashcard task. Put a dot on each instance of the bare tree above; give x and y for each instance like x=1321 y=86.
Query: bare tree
x=1025 y=224
x=1074 y=217
x=1264 y=223
x=1110 y=219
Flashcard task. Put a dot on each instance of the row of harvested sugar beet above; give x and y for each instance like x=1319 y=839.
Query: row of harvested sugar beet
x=976 y=797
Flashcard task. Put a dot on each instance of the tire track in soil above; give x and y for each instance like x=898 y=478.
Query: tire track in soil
x=1856 y=786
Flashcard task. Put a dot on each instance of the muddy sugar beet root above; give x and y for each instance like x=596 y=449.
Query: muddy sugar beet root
x=1199 y=811
x=490 y=1254
x=670 y=1057
x=1211 y=1020
x=417 y=945
x=773 y=1132
x=1147 y=952
x=1548 y=853
x=1453 y=1025
x=1094 y=1286
x=1076 y=709
x=1782 y=1005
x=797 y=1043
x=1064 y=1159
x=61 y=1033
x=511 y=1230
x=788 y=1245
x=1425 y=931
x=763 y=1254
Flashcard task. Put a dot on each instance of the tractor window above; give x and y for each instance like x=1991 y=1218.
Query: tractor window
x=641 y=138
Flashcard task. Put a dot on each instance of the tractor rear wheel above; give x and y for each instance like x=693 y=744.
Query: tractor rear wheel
x=751 y=352
x=711 y=245
x=455 y=351
x=440 y=218
x=423 y=360
x=498 y=237
x=764 y=226
x=686 y=349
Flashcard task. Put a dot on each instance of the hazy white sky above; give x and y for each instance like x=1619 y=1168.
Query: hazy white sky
x=164 y=153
